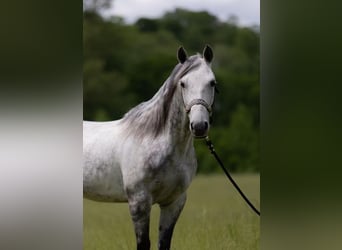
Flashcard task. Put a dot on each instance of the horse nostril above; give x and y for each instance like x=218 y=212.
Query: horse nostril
x=199 y=129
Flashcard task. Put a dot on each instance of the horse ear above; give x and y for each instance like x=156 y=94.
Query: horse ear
x=181 y=55
x=208 y=54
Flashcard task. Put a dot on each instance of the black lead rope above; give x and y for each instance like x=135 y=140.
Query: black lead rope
x=212 y=150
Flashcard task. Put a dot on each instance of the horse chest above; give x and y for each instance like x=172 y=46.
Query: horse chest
x=171 y=175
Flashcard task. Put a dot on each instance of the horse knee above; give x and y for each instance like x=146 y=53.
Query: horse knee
x=139 y=205
x=139 y=211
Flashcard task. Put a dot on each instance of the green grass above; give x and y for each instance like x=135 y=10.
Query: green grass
x=214 y=217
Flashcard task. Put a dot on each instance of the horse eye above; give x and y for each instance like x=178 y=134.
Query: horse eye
x=182 y=84
x=212 y=83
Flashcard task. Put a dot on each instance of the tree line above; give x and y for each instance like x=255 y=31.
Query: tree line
x=125 y=64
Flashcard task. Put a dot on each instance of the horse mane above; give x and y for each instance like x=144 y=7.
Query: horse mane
x=150 y=117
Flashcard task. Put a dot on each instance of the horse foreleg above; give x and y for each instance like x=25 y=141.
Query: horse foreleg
x=140 y=208
x=168 y=217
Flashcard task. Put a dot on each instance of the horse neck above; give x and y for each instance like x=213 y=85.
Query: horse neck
x=178 y=122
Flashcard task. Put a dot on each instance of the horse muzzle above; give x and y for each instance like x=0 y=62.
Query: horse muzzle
x=199 y=129
x=199 y=113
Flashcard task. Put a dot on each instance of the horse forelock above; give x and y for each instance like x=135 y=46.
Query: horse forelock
x=150 y=117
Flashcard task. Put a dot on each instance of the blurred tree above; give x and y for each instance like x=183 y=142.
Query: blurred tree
x=150 y=73
x=242 y=144
x=225 y=33
x=96 y=5
x=233 y=19
x=148 y=25
x=248 y=41
x=98 y=104
x=194 y=29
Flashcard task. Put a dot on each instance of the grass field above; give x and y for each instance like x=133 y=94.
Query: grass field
x=214 y=217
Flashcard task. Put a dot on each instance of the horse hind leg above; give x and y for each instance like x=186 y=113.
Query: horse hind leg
x=140 y=208
x=168 y=217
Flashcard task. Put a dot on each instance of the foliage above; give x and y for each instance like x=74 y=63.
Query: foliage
x=96 y=5
x=126 y=64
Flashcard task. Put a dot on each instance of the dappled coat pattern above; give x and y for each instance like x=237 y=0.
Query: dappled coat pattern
x=148 y=157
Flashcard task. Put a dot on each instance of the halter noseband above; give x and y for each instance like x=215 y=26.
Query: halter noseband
x=198 y=102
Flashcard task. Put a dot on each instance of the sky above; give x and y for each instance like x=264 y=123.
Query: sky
x=247 y=11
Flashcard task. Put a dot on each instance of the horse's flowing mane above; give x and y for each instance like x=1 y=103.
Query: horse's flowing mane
x=150 y=117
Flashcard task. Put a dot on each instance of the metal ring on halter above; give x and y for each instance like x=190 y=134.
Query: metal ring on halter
x=198 y=102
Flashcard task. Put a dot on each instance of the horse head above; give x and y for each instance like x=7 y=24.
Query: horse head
x=198 y=90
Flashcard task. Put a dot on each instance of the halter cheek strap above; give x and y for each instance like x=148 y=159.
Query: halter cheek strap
x=198 y=102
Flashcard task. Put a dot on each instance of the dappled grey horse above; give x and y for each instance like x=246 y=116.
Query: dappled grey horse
x=148 y=156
